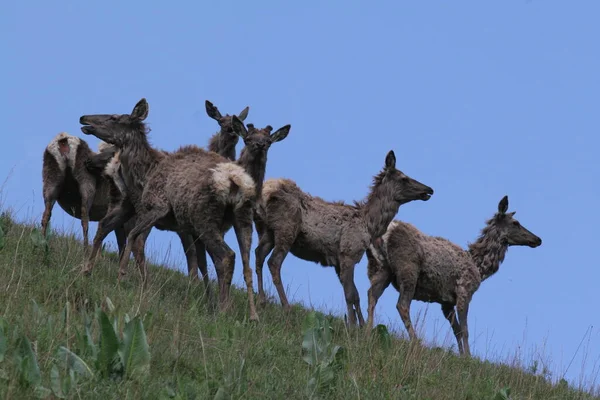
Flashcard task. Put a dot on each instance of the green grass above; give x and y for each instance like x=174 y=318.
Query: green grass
x=198 y=353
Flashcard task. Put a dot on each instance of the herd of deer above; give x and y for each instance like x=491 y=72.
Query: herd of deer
x=130 y=187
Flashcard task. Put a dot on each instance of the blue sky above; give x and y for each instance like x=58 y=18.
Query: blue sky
x=477 y=100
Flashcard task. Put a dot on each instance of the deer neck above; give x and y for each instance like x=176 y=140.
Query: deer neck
x=255 y=166
x=488 y=251
x=138 y=159
x=379 y=210
x=223 y=144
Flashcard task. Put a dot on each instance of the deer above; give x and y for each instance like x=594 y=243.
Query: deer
x=435 y=270
x=222 y=142
x=329 y=233
x=81 y=193
x=191 y=190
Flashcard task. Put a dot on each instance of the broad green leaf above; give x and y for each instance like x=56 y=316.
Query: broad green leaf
x=338 y=355
x=110 y=305
x=90 y=346
x=29 y=370
x=221 y=394
x=37 y=239
x=41 y=392
x=55 y=383
x=74 y=362
x=134 y=350
x=68 y=381
x=503 y=394
x=84 y=340
x=2 y=238
x=382 y=333
x=310 y=347
x=109 y=346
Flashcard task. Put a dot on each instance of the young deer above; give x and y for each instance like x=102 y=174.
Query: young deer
x=435 y=270
x=81 y=193
x=191 y=190
x=329 y=233
x=223 y=142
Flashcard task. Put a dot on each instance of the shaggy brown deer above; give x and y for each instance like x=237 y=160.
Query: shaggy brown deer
x=435 y=270
x=81 y=193
x=329 y=233
x=253 y=159
x=223 y=142
x=191 y=190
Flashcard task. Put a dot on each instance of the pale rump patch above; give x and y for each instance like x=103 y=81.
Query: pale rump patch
x=54 y=148
x=103 y=146
x=112 y=171
x=224 y=174
x=272 y=185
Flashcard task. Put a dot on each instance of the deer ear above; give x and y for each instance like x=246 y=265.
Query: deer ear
x=390 y=160
x=238 y=127
x=212 y=111
x=244 y=114
x=140 y=111
x=280 y=133
x=503 y=205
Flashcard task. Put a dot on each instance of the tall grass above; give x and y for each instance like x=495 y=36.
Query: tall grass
x=168 y=341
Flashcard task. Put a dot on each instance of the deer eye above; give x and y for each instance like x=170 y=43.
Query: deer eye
x=516 y=223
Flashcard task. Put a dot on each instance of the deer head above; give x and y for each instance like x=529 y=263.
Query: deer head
x=117 y=129
x=511 y=231
x=403 y=187
x=226 y=121
x=258 y=141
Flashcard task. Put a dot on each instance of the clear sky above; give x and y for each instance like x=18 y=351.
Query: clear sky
x=477 y=100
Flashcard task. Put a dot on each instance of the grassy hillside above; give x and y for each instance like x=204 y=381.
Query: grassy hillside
x=58 y=340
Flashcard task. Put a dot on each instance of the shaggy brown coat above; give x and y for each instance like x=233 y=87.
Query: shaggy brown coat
x=433 y=269
x=223 y=142
x=329 y=233
x=81 y=193
x=191 y=190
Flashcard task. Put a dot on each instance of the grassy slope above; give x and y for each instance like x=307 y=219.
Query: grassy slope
x=195 y=350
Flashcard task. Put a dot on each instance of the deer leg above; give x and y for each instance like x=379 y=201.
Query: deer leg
x=280 y=251
x=202 y=264
x=242 y=225
x=346 y=277
x=143 y=225
x=121 y=238
x=265 y=245
x=462 y=306
x=116 y=218
x=88 y=191
x=49 y=204
x=407 y=291
x=379 y=282
x=189 y=248
x=51 y=191
x=139 y=254
x=450 y=314
x=224 y=259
